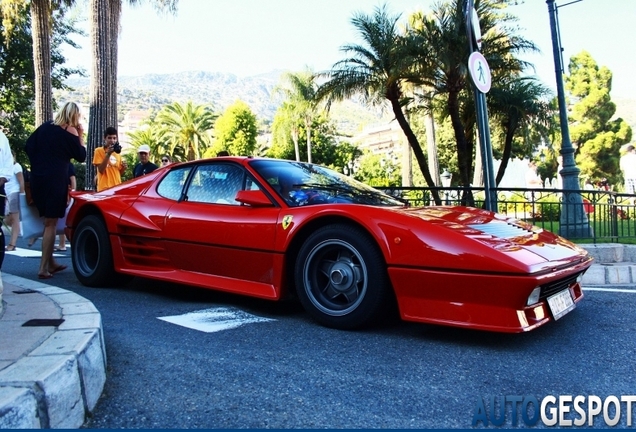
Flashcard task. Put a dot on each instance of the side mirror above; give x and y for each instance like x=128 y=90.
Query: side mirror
x=254 y=198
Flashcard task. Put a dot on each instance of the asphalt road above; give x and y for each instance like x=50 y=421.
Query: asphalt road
x=292 y=373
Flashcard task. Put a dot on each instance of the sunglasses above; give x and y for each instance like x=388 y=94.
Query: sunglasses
x=164 y=160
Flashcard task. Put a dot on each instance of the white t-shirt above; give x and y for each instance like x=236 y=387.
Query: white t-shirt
x=628 y=165
x=13 y=185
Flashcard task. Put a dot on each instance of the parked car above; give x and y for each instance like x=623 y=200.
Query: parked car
x=275 y=228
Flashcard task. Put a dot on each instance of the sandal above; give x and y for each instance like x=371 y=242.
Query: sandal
x=45 y=276
x=59 y=249
x=58 y=269
x=10 y=247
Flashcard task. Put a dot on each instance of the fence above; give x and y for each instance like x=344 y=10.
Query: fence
x=611 y=215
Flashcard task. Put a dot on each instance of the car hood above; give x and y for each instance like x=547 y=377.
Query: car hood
x=509 y=241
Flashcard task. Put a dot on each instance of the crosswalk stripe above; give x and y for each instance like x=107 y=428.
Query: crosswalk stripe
x=618 y=290
x=30 y=253
x=214 y=319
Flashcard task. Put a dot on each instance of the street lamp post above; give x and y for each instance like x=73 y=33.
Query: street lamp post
x=573 y=222
x=446 y=178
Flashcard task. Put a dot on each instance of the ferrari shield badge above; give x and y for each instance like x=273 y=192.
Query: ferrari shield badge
x=287 y=220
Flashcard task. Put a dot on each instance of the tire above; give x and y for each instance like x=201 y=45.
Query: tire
x=341 y=277
x=92 y=255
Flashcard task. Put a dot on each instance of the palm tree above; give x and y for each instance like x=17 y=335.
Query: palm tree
x=105 y=22
x=517 y=103
x=299 y=91
x=186 y=128
x=292 y=119
x=378 y=70
x=441 y=41
x=147 y=136
x=41 y=16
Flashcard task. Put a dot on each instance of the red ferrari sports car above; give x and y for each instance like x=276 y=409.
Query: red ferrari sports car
x=274 y=228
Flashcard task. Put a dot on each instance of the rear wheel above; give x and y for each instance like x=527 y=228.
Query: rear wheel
x=341 y=277
x=92 y=255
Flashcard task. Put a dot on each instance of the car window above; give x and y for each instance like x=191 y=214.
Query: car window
x=301 y=184
x=216 y=184
x=172 y=184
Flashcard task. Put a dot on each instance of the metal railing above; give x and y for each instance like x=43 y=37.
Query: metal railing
x=611 y=215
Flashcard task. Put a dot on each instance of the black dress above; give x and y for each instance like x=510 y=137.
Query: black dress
x=50 y=149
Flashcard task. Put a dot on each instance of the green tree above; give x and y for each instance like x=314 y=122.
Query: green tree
x=17 y=75
x=285 y=132
x=326 y=148
x=147 y=135
x=286 y=123
x=236 y=130
x=42 y=17
x=378 y=70
x=440 y=46
x=185 y=129
x=516 y=105
x=300 y=92
x=372 y=169
x=598 y=138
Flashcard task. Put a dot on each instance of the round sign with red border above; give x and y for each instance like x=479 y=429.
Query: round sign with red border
x=479 y=71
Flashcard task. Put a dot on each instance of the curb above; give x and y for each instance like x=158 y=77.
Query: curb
x=59 y=382
x=615 y=264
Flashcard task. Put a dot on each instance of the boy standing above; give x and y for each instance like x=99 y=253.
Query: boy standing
x=109 y=163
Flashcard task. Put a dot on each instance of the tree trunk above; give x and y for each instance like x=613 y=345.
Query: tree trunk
x=464 y=156
x=407 y=165
x=507 y=152
x=103 y=106
x=308 y=132
x=294 y=136
x=113 y=43
x=393 y=96
x=431 y=146
x=41 y=33
x=478 y=173
x=98 y=99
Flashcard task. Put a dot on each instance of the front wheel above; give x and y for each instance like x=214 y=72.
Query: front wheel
x=91 y=254
x=341 y=277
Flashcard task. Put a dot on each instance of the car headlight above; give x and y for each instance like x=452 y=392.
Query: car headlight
x=534 y=296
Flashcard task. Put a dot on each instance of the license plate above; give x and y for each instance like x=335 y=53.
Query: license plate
x=561 y=303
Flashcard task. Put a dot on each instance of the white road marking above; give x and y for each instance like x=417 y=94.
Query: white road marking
x=30 y=253
x=215 y=319
x=619 y=290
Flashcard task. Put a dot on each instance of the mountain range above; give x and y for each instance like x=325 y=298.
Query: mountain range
x=152 y=91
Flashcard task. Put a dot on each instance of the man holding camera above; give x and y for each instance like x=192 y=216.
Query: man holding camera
x=110 y=165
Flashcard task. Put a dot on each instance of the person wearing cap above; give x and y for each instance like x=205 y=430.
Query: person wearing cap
x=110 y=165
x=144 y=166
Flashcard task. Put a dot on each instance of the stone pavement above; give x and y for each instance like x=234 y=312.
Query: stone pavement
x=615 y=264
x=53 y=354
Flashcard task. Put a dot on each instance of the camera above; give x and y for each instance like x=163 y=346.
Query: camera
x=117 y=147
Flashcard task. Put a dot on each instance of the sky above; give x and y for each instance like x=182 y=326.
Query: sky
x=250 y=37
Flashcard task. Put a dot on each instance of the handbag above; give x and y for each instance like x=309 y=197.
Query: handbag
x=32 y=225
x=27 y=193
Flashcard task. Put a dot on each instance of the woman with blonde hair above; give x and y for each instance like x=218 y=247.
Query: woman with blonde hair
x=50 y=149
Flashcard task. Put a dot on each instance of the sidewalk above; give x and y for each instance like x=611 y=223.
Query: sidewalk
x=52 y=356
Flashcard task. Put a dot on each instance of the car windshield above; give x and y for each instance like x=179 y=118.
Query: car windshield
x=302 y=184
